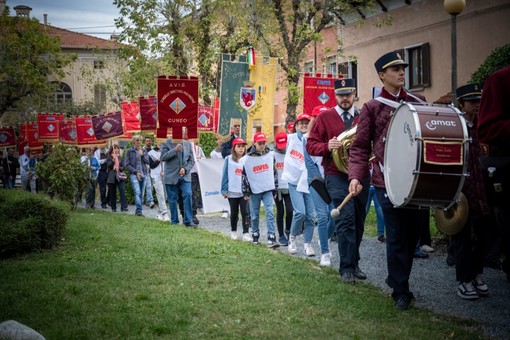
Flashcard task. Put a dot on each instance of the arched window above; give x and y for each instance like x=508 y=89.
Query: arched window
x=63 y=94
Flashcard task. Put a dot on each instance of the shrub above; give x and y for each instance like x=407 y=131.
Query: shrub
x=31 y=222
x=207 y=140
x=498 y=59
x=65 y=176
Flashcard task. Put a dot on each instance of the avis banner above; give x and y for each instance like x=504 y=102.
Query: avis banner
x=108 y=126
x=318 y=91
x=178 y=105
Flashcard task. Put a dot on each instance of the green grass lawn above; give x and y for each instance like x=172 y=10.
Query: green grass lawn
x=119 y=276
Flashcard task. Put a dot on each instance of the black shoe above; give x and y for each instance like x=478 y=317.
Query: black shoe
x=139 y=214
x=126 y=209
x=114 y=210
x=348 y=277
x=420 y=255
x=402 y=302
x=450 y=260
x=195 y=220
x=104 y=206
x=387 y=281
x=190 y=225
x=381 y=238
x=358 y=273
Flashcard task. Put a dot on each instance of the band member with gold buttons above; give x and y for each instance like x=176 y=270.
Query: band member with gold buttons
x=470 y=252
x=370 y=137
x=323 y=139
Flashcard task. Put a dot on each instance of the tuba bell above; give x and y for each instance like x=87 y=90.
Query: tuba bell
x=341 y=155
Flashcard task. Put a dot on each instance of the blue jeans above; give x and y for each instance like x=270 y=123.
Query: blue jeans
x=378 y=210
x=138 y=187
x=148 y=190
x=9 y=182
x=325 y=223
x=304 y=212
x=172 y=192
x=401 y=237
x=267 y=199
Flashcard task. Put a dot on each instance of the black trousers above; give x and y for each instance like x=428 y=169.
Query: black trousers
x=283 y=207
x=102 y=177
x=236 y=204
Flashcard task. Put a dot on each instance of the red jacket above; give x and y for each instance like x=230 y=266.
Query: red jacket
x=494 y=113
x=326 y=126
x=372 y=129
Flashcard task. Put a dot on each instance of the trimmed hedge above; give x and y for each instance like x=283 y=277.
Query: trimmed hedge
x=30 y=222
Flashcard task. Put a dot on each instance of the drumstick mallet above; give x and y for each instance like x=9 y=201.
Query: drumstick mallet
x=336 y=212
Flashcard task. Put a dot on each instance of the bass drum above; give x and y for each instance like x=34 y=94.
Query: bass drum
x=425 y=156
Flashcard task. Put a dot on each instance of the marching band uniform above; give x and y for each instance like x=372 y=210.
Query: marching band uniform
x=350 y=224
x=401 y=232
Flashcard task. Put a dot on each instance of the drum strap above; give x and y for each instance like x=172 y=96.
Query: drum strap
x=388 y=102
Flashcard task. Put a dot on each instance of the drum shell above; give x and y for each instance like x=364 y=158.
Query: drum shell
x=418 y=181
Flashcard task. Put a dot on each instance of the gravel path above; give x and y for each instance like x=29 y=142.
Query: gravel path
x=432 y=281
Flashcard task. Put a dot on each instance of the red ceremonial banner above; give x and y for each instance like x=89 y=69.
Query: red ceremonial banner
x=178 y=105
x=7 y=137
x=318 y=91
x=85 y=135
x=31 y=134
x=149 y=113
x=216 y=109
x=205 y=119
x=131 y=114
x=444 y=153
x=68 y=131
x=108 y=126
x=22 y=139
x=49 y=126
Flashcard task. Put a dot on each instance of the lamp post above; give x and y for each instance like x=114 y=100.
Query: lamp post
x=454 y=8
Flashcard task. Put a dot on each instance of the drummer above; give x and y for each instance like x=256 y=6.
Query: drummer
x=401 y=232
x=321 y=141
x=470 y=253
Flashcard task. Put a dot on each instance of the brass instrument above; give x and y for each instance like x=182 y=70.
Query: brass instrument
x=341 y=155
x=450 y=221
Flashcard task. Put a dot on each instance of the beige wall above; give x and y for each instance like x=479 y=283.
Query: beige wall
x=483 y=26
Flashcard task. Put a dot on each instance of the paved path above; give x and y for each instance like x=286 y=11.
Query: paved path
x=432 y=281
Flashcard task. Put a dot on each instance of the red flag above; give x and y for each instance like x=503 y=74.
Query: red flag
x=32 y=136
x=7 y=137
x=318 y=91
x=68 y=131
x=85 y=135
x=205 y=120
x=149 y=113
x=131 y=114
x=49 y=126
x=178 y=104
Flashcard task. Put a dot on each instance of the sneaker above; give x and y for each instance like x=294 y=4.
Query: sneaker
x=381 y=238
x=283 y=240
x=326 y=260
x=480 y=287
x=159 y=217
x=224 y=214
x=233 y=235
x=466 y=291
x=246 y=237
x=271 y=242
x=292 y=244
x=309 y=251
x=195 y=220
x=152 y=205
x=255 y=237
x=166 y=218
x=427 y=248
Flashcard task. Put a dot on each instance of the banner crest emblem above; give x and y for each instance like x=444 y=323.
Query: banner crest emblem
x=247 y=98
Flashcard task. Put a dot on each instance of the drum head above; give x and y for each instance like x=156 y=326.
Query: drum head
x=401 y=154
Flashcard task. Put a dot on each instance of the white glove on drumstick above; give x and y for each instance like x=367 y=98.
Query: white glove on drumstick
x=336 y=212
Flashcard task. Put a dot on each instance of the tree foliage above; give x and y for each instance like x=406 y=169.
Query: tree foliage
x=498 y=59
x=28 y=56
x=63 y=173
